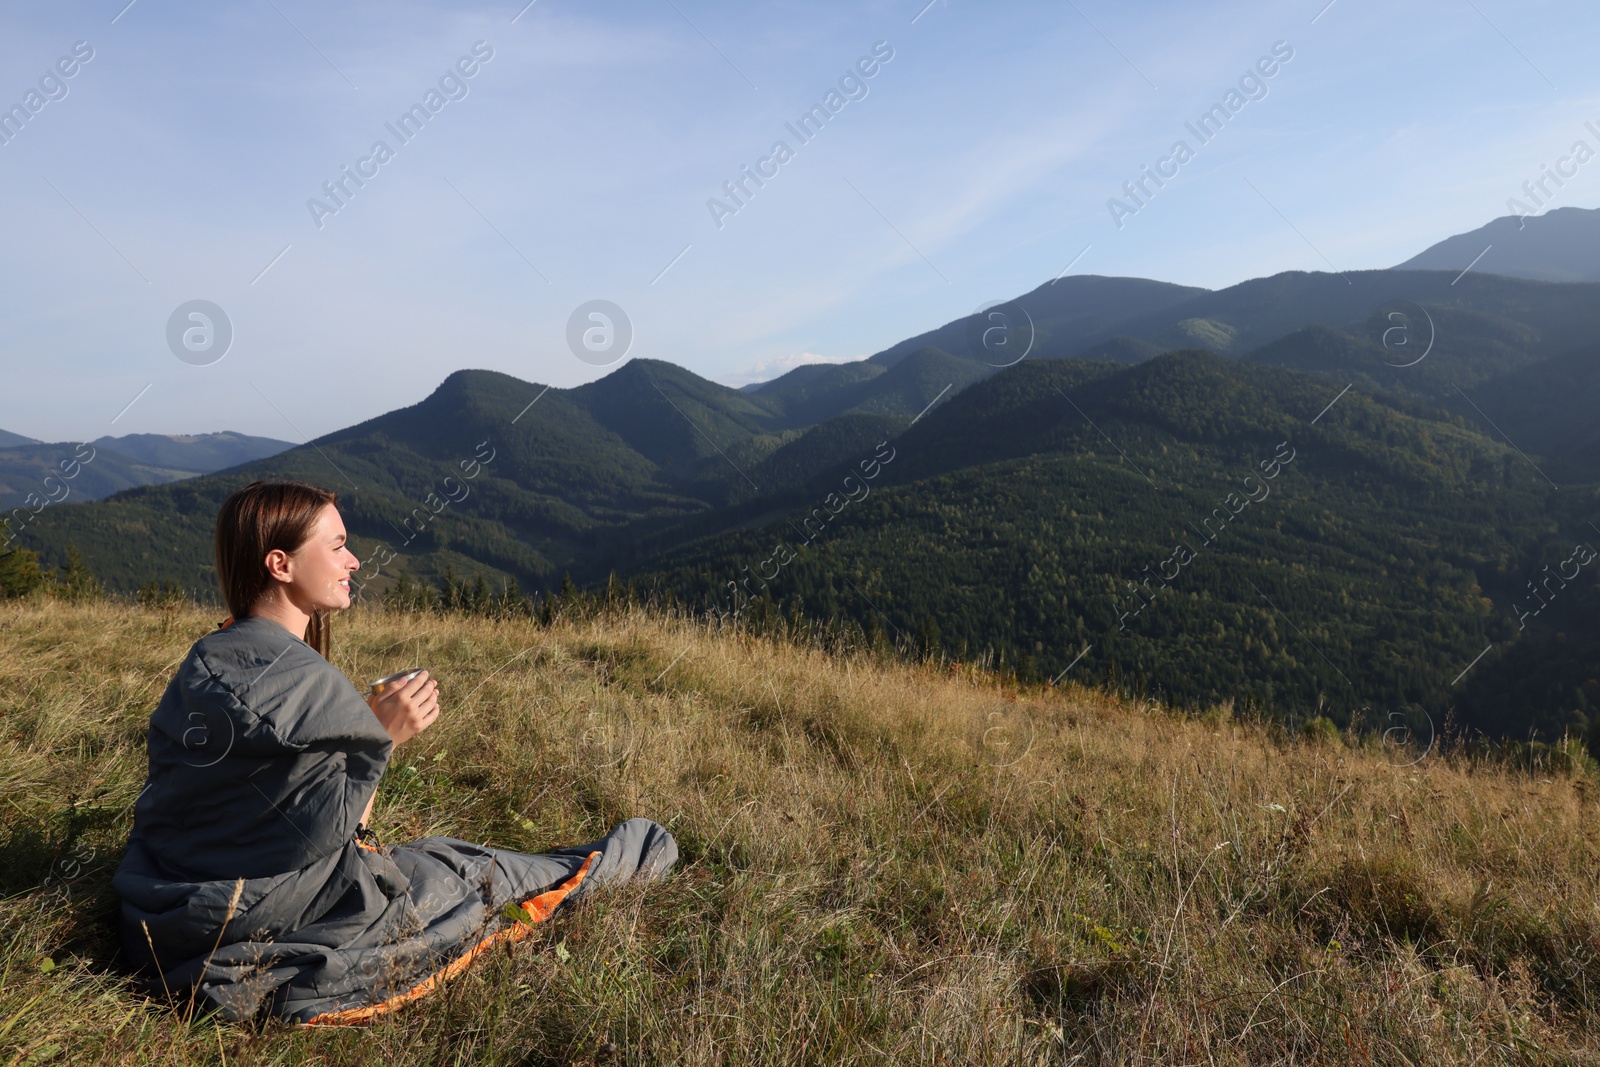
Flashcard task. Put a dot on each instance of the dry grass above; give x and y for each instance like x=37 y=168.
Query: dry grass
x=884 y=863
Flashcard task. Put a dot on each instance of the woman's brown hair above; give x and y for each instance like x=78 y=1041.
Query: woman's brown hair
x=257 y=519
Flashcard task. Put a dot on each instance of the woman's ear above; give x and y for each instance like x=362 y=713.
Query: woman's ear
x=277 y=564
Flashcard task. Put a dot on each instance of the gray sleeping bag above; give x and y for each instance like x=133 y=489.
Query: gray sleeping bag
x=245 y=883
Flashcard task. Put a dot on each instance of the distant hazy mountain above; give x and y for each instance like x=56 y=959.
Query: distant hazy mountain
x=194 y=453
x=1066 y=315
x=24 y=468
x=1562 y=245
x=813 y=377
x=118 y=463
x=812 y=394
x=1546 y=319
x=1482 y=325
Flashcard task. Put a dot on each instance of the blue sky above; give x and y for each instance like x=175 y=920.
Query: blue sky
x=579 y=162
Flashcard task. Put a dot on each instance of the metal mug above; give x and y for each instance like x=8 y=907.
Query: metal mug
x=389 y=681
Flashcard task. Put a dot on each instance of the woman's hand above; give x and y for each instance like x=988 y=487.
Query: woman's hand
x=407 y=710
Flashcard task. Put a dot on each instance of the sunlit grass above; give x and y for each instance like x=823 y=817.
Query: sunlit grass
x=883 y=863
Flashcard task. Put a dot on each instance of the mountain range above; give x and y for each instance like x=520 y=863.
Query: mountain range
x=1071 y=485
x=119 y=463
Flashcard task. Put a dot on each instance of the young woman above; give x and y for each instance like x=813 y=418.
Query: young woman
x=249 y=877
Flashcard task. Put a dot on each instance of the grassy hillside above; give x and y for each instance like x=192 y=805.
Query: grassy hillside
x=884 y=863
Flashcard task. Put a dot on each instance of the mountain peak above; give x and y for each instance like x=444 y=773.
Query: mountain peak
x=470 y=380
x=1561 y=245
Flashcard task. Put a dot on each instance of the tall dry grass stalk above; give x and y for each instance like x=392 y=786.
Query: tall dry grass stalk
x=883 y=863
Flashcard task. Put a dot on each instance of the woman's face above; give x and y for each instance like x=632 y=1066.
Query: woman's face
x=318 y=572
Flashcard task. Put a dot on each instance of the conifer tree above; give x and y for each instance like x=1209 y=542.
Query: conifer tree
x=19 y=572
x=75 y=580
